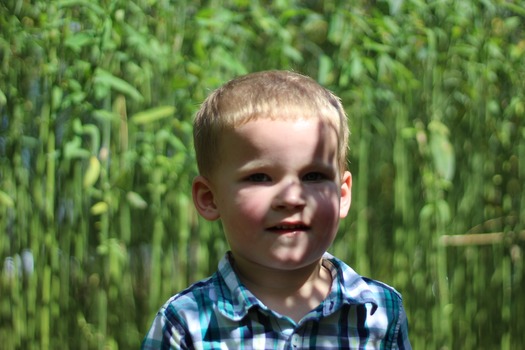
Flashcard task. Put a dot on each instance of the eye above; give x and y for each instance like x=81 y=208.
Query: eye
x=314 y=176
x=258 y=177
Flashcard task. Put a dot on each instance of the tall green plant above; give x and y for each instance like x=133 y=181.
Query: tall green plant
x=96 y=99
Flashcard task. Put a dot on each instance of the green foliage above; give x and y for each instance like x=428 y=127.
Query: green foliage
x=96 y=100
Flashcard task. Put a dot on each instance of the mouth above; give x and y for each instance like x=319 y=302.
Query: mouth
x=288 y=228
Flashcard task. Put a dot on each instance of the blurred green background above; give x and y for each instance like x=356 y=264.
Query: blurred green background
x=97 y=227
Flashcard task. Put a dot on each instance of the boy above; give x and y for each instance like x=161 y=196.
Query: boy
x=271 y=152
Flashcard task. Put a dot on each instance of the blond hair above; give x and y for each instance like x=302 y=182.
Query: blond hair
x=267 y=94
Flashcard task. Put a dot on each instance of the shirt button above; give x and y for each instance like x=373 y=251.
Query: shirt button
x=296 y=340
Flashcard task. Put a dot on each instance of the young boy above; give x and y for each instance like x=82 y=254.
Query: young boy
x=271 y=151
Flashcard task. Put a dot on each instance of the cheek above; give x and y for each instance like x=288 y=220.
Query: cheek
x=327 y=195
x=244 y=216
x=250 y=204
x=327 y=203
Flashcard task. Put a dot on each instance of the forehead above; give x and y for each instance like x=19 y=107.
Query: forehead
x=280 y=139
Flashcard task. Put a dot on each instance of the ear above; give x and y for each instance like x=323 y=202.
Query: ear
x=203 y=198
x=346 y=194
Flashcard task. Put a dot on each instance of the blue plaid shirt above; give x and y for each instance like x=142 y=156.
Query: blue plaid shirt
x=221 y=313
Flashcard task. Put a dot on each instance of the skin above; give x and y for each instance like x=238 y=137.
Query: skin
x=280 y=195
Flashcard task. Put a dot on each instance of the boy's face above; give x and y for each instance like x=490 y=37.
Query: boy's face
x=278 y=191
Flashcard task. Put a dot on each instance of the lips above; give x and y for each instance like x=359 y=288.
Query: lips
x=284 y=228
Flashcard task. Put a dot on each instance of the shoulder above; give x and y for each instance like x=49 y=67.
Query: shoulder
x=170 y=327
x=357 y=289
x=220 y=293
x=389 y=307
x=382 y=304
x=191 y=301
x=187 y=316
x=383 y=291
x=361 y=288
x=388 y=302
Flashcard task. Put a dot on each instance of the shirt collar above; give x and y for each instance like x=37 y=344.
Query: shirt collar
x=235 y=300
x=348 y=287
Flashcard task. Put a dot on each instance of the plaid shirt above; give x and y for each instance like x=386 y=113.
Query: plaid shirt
x=221 y=313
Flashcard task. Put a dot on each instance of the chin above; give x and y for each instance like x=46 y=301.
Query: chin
x=293 y=262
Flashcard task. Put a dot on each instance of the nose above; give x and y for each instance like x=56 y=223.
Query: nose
x=290 y=196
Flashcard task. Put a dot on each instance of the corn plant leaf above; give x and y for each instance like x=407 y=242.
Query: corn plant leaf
x=153 y=114
x=6 y=200
x=92 y=173
x=77 y=41
x=136 y=200
x=99 y=208
x=442 y=150
x=106 y=79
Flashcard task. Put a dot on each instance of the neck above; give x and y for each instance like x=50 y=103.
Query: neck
x=292 y=293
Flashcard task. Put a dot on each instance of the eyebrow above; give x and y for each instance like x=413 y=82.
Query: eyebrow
x=255 y=164
x=328 y=167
